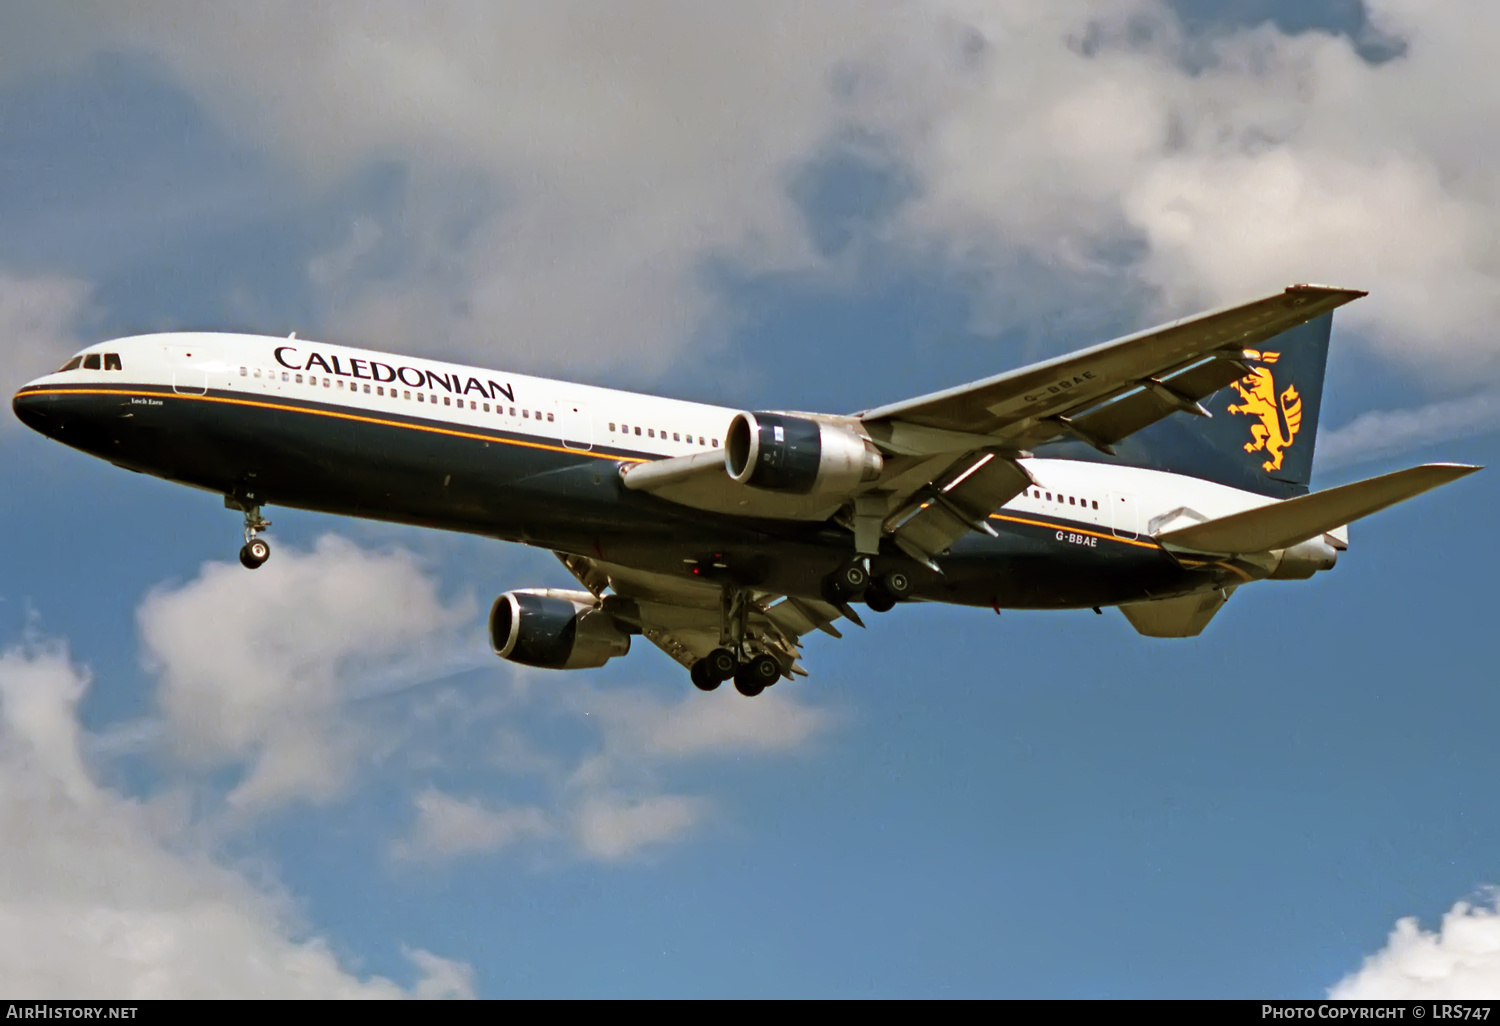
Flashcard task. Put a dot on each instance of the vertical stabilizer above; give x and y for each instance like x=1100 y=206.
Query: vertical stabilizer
x=1262 y=429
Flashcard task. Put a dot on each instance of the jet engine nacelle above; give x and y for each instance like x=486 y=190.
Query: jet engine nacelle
x=555 y=630
x=780 y=453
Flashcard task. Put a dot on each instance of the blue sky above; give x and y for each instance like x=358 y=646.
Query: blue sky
x=316 y=779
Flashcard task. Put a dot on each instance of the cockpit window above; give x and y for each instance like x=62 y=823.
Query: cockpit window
x=112 y=361
x=72 y=364
x=91 y=362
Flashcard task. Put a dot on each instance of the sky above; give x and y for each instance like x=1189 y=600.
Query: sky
x=317 y=780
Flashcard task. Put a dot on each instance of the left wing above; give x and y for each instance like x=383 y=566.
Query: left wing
x=688 y=618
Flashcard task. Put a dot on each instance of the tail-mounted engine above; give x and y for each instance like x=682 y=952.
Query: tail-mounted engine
x=780 y=453
x=554 y=630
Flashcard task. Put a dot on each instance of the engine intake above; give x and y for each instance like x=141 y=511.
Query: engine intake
x=780 y=453
x=554 y=630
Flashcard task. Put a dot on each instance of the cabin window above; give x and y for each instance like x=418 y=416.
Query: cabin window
x=257 y=372
x=676 y=436
x=421 y=398
x=638 y=432
x=112 y=361
x=651 y=432
x=367 y=390
x=285 y=376
x=406 y=395
x=299 y=379
x=341 y=382
x=325 y=382
x=512 y=411
x=1096 y=503
x=380 y=390
x=701 y=441
x=549 y=418
x=611 y=425
x=244 y=372
x=486 y=407
x=1049 y=496
x=716 y=443
x=1071 y=502
x=526 y=414
x=72 y=364
x=447 y=401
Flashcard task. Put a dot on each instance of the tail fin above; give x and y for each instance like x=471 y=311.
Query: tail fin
x=1262 y=430
x=1265 y=425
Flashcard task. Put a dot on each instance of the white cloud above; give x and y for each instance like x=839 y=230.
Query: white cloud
x=261 y=667
x=1285 y=159
x=1384 y=432
x=1458 y=961
x=449 y=826
x=574 y=169
x=610 y=827
x=105 y=896
x=614 y=799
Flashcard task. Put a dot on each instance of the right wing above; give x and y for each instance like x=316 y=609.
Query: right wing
x=951 y=457
x=1170 y=367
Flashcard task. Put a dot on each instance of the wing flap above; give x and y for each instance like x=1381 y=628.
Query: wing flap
x=1281 y=525
x=1161 y=397
x=959 y=502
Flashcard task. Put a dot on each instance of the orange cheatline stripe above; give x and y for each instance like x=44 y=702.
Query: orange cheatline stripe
x=338 y=416
x=1076 y=530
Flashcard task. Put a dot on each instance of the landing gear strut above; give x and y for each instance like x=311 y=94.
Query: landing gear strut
x=256 y=550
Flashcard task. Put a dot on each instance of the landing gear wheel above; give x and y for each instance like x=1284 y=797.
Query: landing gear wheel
x=897 y=585
x=846 y=582
x=751 y=678
x=747 y=687
x=704 y=678
x=721 y=664
x=255 y=552
x=878 y=599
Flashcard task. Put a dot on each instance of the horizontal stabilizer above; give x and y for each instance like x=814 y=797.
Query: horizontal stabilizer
x=1284 y=524
x=1181 y=617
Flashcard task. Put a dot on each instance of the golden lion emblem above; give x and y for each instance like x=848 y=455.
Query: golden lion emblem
x=1279 y=420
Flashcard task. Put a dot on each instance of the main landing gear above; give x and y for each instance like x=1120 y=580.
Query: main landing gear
x=853 y=580
x=750 y=677
x=256 y=550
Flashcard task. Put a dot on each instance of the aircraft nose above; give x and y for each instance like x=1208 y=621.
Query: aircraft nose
x=30 y=408
x=35 y=408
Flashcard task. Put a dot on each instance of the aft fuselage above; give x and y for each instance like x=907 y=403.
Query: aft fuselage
x=289 y=422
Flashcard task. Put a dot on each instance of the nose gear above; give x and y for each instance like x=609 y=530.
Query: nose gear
x=256 y=550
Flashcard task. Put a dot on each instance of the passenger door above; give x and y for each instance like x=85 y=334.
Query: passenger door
x=574 y=426
x=1122 y=515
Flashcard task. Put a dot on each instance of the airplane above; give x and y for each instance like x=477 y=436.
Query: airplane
x=1158 y=472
